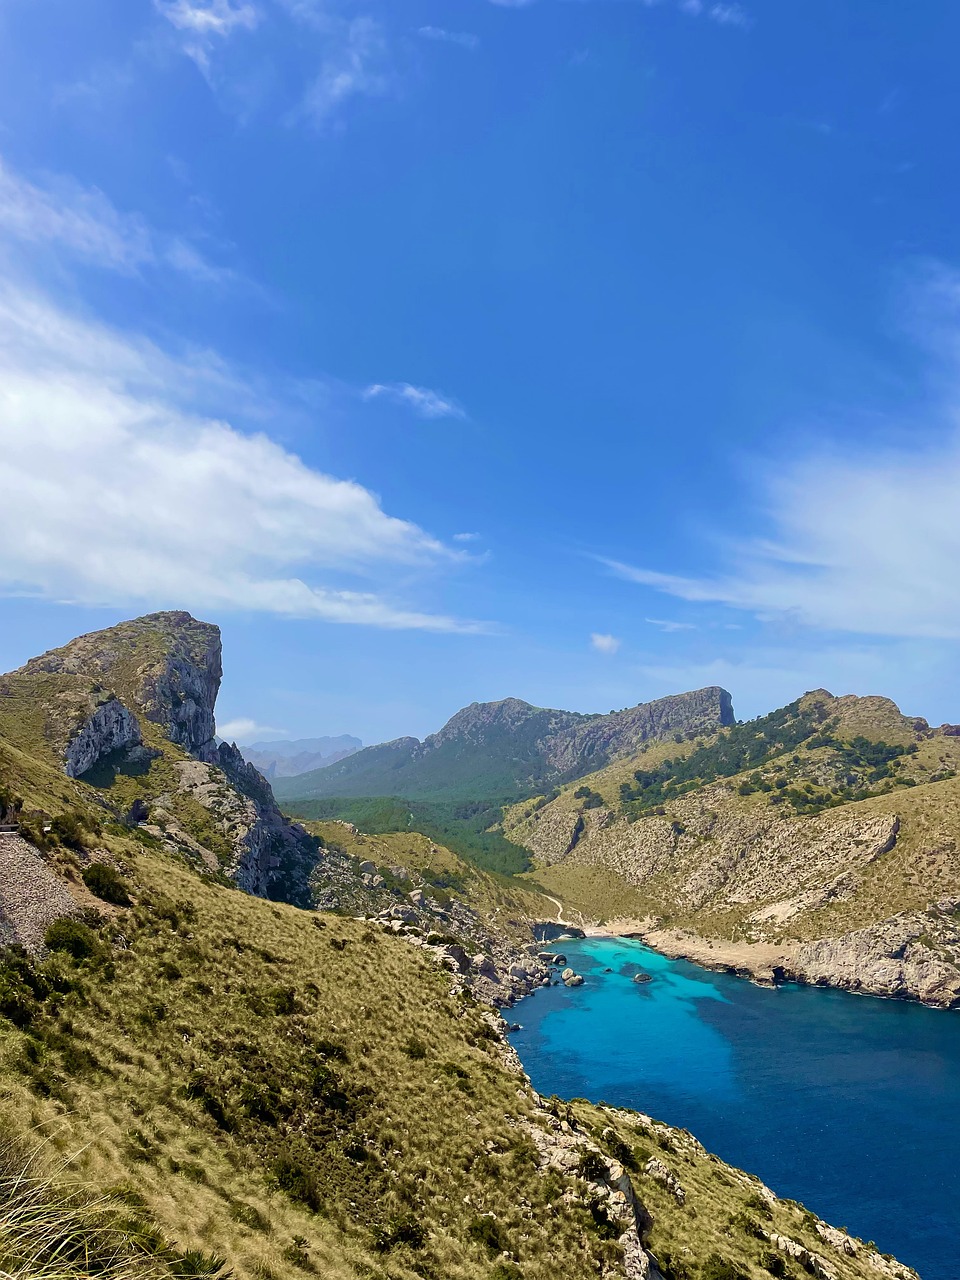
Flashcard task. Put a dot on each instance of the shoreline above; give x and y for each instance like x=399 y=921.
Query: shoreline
x=763 y=964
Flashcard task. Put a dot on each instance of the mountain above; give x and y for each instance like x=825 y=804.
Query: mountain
x=129 y=712
x=819 y=843
x=493 y=750
x=197 y=1082
x=290 y=759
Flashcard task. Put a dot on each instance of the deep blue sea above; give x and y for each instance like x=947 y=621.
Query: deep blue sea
x=848 y=1103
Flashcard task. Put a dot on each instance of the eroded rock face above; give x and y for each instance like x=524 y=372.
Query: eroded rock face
x=164 y=666
x=110 y=727
x=152 y=681
x=915 y=955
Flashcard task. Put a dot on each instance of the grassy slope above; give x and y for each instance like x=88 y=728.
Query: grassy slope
x=236 y=1047
x=493 y=896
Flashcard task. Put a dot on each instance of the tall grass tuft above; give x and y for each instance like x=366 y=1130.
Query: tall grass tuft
x=52 y=1230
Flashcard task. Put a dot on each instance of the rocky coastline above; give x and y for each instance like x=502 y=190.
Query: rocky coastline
x=892 y=960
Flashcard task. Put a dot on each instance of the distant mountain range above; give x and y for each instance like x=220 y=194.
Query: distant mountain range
x=509 y=748
x=290 y=759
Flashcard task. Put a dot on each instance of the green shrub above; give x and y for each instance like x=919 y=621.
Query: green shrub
x=405 y=1229
x=718 y=1268
x=73 y=937
x=415 y=1048
x=68 y=830
x=22 y=989
x=592 y=1166
x=506 y=1271
x=106 y=883
x=487 y=1231
x=773 y=1263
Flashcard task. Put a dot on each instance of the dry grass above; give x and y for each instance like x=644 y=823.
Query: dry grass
x=260 y=1080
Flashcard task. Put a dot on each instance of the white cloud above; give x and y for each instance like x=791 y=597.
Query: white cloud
x=355 y=63
x=726 y=15
x=82 y=222
x=424 y=402
x=204 y=22
x=729 y=15
x=118 y=489
x=668 y=625
x=243 y=730
x=208 y=17
x=465 y=537
x=867 y=542
x=465 y=39
x=604 y=643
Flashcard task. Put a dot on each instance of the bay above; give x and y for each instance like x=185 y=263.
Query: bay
x=848 y=1103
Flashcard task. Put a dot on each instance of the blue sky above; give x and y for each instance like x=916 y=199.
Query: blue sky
x=577 y=350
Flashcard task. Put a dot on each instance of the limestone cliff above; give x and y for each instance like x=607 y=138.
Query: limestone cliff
x=129 y=711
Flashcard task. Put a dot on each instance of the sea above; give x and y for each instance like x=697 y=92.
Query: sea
x=848 y=1103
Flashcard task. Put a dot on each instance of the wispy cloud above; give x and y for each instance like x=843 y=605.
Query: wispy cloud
x=208 y=17
x=424 y=402
x=355 y=63
x=858 y=540
x=465 y=537
x=668 y=625
x=83 y=223
x=465 y=39
x=204 y=22
x=727 y=15
x=604 y=643
x=119 y=491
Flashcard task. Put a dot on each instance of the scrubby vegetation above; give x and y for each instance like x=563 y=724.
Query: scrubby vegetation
x=470 y=827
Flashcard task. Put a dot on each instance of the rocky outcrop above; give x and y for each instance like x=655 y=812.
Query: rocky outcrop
x=164 y=666
x=110 y=727
x=915 y=955
x=131 y=692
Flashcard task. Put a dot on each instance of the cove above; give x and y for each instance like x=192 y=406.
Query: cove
x=848 y=1103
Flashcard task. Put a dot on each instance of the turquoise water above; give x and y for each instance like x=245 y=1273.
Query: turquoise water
x=848 y=1103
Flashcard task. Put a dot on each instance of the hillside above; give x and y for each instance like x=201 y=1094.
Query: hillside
x=504 y=749
x=242 y=1086
x=821 y=842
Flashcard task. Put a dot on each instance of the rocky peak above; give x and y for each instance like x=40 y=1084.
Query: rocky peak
x=164 y=666
x=475 y=722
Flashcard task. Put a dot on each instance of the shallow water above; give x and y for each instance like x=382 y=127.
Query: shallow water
x=848 y=1103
